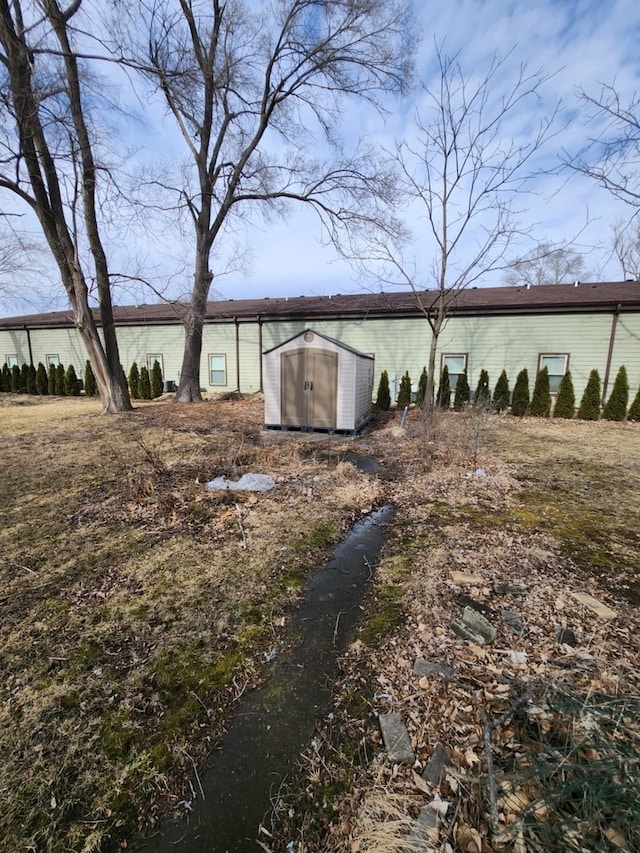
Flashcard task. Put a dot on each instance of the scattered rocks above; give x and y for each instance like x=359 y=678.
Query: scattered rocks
x=594 y=605
x=396 y=739
x=436 y=766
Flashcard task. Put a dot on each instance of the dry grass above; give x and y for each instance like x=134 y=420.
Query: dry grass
x=135 y=603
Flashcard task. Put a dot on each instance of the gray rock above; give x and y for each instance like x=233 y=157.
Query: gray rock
x=425 y=829
x=467 y=601
x=473 y=626
x=513 y=621
x=437 y=764
x=566 y=635
x=424 y=667
x=396 y=739
x=509 y=588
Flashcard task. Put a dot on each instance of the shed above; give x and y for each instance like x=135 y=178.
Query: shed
x=314 y=382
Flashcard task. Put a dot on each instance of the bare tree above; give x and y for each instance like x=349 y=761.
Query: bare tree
x=46 y=161
x=626 y=247
x=546 y=264
x=612 y=156
x=250 y=87
x=462 y=174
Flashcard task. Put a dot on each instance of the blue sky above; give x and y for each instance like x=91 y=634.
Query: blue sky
x=582 y=43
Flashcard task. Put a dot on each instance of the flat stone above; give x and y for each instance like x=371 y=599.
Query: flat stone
x=513 y=621
x=594 y=605
x=467 y=601
x=437 y=764
x=509 y=588
x=396 y=739
x=464 y=579
x=424 y=667
x=424 y=834
x=458 y=627
x=566 y=635
x=477 y=623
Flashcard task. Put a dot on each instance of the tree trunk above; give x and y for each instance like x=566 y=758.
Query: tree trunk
x=193 y=320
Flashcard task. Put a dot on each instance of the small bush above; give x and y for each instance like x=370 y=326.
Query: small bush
x=60 y=386
x=71 y=384
x=463 y=393
x=482 y=397
x=134 y=380
x=443 y=398
x=422 y=388
x=144 y=384
x=616 y=406
x=501 y=393
x=51 y=379
x=404 y=392
x=634 y=411
x=156 y=380
x=565 y=406
x=383 y=399
x=541 y=401
x=520 y=401
x=6 y=377
x=590 y=404
x=90 y=384
x=15 y=378
x=32 y=375
x=24 y=377
x=42 y=382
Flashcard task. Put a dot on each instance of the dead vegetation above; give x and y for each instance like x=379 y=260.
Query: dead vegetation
x=136 y=606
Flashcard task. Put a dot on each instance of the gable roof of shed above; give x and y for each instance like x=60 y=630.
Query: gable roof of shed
x=547 y=298
x=335 y=341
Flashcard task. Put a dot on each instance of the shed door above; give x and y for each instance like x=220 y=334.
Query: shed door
x=309 y=388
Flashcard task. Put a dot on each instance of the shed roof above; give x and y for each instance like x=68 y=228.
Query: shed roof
x=548 y=298
x=335 y=341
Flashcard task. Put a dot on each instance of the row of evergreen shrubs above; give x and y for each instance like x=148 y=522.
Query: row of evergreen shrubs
x=62 y=382
x=522 y=403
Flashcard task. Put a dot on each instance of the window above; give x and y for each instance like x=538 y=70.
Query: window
x=12 y=360
x=155 y=356
x=53 y=360
x=457 y=364
x=217 y=370
x=557 y=364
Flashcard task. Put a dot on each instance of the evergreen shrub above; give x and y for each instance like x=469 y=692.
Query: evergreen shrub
x=541 y=400
x=6 y=377
x=501 y=393
x=634 y=410
x=404 y=392
x=156 y=380
x=616 y=406
x=463 y=392
x=24 y=377
x=134 y=380
x=42 y=381
x=565 y=406
x=383 y=400
x=482 y=397
x=90 y=384
x=15 y=378
x=422 y=388
x=71 y=384
x=144 y=384
x=60 y=386
x=32 y=375
x=51 y=379
x=443 y=398
x=520 y=401
x=589 y=409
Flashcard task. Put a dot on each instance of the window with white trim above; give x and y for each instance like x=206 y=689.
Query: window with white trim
x=456 y=363
x=557 y=363
x=12 y=360
x=217 y=369
x=155 y=356
x=53 y=360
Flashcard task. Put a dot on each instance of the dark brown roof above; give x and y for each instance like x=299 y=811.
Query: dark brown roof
x=548 y=298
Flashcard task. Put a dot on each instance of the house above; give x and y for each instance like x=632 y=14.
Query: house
x=577 y=326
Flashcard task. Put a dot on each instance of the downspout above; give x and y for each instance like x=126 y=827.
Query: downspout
x=612 y=340
x=237 y=325
x=26 y=328
x=260 y=352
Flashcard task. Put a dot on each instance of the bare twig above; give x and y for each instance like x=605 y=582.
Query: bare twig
x=239 y=514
